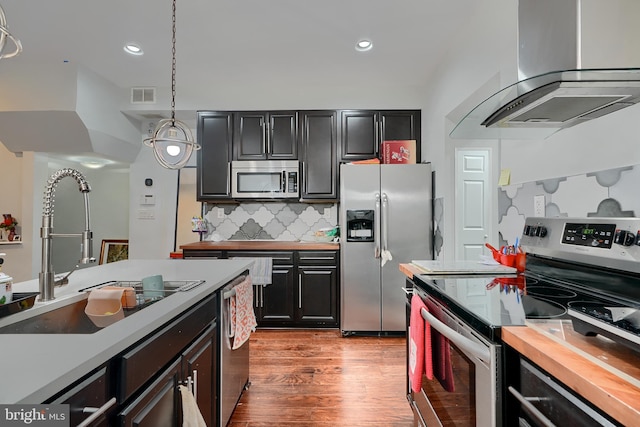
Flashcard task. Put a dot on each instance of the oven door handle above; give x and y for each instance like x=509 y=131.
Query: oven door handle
x=459 y=340
x=530 y=409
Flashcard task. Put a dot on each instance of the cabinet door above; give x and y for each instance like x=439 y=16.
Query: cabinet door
x=318 y=138
x=157 y=406
x=400 y=125
x=199 y=364
x=359 y=134
x=215 y=131
x=261 y=136
x=250 y=137
x=283 y=135
x=317 y=296
x=274 y=303
x=277 y=306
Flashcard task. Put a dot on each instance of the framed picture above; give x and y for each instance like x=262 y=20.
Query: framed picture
x=114 y=250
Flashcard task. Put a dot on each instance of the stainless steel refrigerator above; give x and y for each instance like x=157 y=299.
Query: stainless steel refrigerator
x=384 y=210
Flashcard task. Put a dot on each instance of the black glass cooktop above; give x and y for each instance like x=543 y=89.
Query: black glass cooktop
x=544 y=291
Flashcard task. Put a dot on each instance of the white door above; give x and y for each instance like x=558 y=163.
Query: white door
x=472 y=203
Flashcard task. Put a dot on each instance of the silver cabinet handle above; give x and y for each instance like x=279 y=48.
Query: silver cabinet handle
x=530 y=409
x=299 y=290
x=194 y=384
x=316 y=258
x=461 y=341
x=96 y=412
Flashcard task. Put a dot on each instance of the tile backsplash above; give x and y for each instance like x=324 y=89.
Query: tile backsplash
x=607 y=193
x=268 y=220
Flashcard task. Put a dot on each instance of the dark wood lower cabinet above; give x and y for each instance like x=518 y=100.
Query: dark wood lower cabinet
x=317 y=296
x=304 y=289
x=199 y=363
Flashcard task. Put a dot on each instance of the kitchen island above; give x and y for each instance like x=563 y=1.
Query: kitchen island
x=37 y=366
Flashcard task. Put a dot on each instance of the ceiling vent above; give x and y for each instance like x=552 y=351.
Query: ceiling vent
x=143 y=95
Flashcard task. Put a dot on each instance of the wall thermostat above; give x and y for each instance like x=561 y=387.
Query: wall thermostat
x=148 y=182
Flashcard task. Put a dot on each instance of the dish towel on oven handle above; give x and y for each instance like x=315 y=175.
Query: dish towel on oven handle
x=419 y=345
x=260 y=270
x=442 y=366
x=241 y=315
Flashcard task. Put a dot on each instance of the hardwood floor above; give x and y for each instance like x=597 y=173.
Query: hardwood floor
x=318 y=378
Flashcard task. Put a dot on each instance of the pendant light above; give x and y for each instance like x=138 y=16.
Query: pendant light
x=6 y=35
x=172 y=141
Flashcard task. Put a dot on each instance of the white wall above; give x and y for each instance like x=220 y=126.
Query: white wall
x=152 y=238
x=481 y=60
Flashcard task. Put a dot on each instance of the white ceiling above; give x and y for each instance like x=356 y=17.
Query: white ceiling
x=232 y=42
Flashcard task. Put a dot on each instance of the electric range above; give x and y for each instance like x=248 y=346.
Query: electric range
x=583 y=269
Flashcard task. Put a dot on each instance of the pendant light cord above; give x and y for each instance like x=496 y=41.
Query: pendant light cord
x=173 y=66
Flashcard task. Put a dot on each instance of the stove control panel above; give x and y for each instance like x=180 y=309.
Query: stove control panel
x=594 y=235
x=605 y=242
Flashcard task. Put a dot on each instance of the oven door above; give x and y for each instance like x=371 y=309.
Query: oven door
x=471 y=396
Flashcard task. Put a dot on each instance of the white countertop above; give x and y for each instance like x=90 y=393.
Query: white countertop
x=36 y=366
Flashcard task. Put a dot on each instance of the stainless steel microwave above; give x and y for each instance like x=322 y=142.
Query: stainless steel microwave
x=265 y=179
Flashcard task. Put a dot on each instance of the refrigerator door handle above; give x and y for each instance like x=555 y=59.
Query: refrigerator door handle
x=376 y=228
x=385 y=217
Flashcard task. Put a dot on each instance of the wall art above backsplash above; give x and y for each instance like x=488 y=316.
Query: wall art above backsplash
x=268 y=221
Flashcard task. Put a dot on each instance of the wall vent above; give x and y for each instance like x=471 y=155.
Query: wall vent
x=143 y=95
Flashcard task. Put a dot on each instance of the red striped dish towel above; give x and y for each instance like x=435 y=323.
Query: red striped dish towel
x=419 y=345
x=443 y=368
x=242 y=317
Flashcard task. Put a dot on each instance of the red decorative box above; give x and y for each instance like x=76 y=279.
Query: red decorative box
x=399 y=152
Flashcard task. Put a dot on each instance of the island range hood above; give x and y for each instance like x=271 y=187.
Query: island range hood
x=555 y=39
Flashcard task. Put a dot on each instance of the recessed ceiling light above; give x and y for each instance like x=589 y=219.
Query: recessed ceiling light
x=133 y=49
x=364 y=45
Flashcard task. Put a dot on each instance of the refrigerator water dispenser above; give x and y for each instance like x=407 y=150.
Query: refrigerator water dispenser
x=360 y=225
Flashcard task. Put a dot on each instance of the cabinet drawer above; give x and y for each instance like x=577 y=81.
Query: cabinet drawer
x=138 y=365
x=90 y=392
x=201 y=254
x=318 y=258
x=279 y=258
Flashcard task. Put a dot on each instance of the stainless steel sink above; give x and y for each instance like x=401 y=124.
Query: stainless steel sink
x=71 y=318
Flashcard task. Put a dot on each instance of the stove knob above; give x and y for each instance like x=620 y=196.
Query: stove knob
x=541 y=231
x=624 y=238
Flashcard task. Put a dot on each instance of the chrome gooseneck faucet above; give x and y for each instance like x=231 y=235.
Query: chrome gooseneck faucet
x=46 y=276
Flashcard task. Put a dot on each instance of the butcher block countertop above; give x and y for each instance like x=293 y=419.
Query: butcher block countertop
x=260 y=245
x=603 y=372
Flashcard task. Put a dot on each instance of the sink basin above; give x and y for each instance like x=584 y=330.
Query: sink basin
x=71 y=318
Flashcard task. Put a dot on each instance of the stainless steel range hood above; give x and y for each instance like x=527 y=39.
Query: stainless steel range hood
x=554 y=91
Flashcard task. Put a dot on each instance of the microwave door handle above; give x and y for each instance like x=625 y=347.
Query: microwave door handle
x=376 y=228
x=461 y=341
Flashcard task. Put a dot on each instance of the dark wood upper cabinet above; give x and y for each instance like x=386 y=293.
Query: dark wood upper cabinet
x=318 y=155
x=362 y=131
x=260 y=135
x=215 y=133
